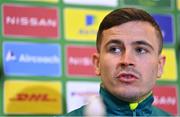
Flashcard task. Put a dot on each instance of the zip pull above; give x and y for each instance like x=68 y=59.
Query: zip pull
x=133 y=107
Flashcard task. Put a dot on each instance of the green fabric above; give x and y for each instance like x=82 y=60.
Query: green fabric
x=116 y=107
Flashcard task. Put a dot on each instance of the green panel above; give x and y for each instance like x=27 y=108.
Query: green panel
x=178 y=28
x=154 y=6
x=150 y=3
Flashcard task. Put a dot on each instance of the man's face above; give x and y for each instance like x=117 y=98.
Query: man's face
x=128 y=62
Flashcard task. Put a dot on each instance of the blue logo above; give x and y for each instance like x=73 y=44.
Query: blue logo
x=167 y=27
x=89 y=20
x=31 y=59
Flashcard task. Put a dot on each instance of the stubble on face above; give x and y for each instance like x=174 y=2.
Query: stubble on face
x=129 y=92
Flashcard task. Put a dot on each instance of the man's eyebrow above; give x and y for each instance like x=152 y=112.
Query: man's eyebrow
x=114 y=41
x=141 y=42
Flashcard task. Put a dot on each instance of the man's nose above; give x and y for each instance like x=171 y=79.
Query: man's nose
x=127 y=58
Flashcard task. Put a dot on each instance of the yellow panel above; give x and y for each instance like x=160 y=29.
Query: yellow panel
x=51 y=1
x=32 y=97
x=178 y=4
x=82 y=24
x=170 y=69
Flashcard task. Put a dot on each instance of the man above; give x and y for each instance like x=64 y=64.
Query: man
x=128 y=61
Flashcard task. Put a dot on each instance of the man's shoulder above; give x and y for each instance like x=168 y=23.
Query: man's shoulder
x=159 y=112
x=77 y=112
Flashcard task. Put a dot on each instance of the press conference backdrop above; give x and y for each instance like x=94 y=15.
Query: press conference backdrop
x=45 y=62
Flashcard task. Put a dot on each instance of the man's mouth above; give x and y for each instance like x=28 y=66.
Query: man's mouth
x=127 y=77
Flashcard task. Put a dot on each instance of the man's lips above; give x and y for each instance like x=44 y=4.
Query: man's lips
x=127 y=77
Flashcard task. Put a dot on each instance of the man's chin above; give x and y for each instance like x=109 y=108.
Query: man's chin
x=128 y=96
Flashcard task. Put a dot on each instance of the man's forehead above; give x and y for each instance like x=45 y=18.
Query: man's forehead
x=129 y=33
x=130 y=26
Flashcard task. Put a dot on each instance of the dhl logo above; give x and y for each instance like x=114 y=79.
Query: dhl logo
x=39 y=97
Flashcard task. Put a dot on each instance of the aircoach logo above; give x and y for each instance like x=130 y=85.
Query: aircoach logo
x=31 y=21
x=26 y=58
x=30 y=59
x=10 y=56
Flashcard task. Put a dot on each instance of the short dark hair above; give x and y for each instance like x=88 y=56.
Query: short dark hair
x=124 y=15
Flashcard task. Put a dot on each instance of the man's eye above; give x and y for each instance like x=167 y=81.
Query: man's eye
x=141 y=50
x=115 y=50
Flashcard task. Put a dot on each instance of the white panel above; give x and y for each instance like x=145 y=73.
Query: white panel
x=78 y=93
x=93 y=2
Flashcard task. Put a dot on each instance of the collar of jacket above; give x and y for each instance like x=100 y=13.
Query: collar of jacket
x=114 y=106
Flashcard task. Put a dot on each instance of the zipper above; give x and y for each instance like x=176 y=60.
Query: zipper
x=134 y=113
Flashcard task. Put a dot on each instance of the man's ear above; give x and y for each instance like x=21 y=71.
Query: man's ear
x=96 y=63
x=162 y=60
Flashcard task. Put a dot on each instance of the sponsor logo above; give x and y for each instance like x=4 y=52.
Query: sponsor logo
x=10 y=56
x=84 y=26
x=30 y=59
x=31 y=22
x=26 y=58
x=84 y=94
x=166 y=98
x=78 y=93
x=41 y=97
x=32 y=97
x=90 y=20
x=82 y=61
x=79 y=61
